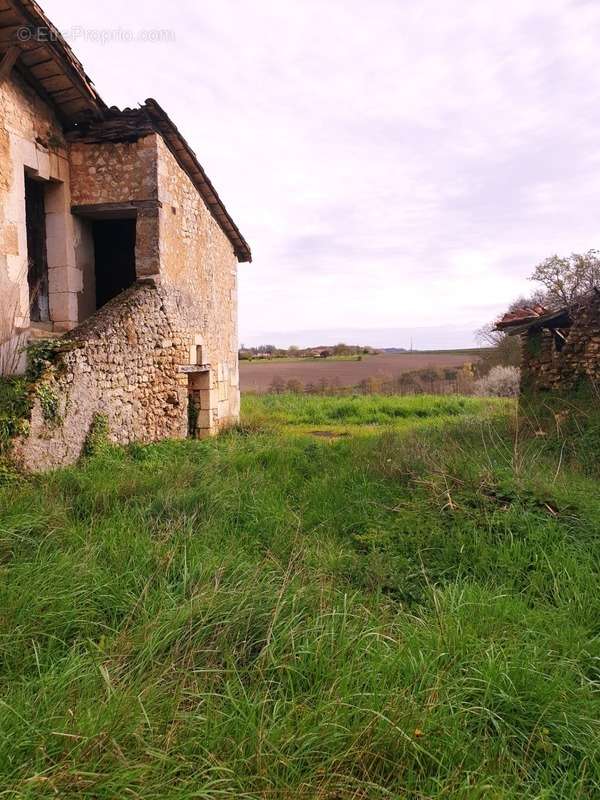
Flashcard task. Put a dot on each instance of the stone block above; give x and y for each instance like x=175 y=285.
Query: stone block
x=14 y=209
x=59 y=252
x=56 y=199
x=64 y=327
x=25 y=152
x=16 y=267
x=205 y=418
x=58 y=225
x=65 y=279
x=43 y=162
x=9 y=239
x=223 y=389
x=223 y=409
x=209 y=398
x=60 y=247
x=63 y=307
x=54 y=166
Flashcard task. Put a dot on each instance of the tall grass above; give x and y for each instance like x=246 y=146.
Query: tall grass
x=273 y=617
x=299 y=409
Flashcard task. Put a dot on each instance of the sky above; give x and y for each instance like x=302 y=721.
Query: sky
x=397 y=167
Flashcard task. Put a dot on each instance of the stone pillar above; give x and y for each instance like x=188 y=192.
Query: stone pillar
x=147 y=242
x=65 y=280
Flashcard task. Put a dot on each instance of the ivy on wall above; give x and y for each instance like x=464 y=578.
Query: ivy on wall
x=533 y=344
x=17 y=395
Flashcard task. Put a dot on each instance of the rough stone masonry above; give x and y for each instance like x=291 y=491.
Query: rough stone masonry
x=560 y=348
x=113 y=238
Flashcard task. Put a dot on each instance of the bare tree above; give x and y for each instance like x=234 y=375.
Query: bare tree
x=490 y=337
x=566 y=279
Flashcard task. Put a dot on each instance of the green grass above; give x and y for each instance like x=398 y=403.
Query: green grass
x=302 y=411
x=401 y=615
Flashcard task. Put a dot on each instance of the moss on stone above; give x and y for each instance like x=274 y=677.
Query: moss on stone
x=97 y=439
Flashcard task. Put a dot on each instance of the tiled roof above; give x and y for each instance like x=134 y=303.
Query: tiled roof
x=49 y=65
x=46 y=61
x=520 y=316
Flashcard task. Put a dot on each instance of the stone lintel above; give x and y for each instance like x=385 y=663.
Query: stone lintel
x=114 y=210
x=191 y=369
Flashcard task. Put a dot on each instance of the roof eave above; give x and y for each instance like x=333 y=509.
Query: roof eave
x=41 y=56
x=187 y=160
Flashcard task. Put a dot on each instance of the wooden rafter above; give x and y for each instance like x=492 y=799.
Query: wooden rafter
x=8 y=61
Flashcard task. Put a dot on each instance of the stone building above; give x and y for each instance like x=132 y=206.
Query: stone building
x=113 y=238
x=560 y=348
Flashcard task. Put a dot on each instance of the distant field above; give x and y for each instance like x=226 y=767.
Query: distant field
x=258 y=376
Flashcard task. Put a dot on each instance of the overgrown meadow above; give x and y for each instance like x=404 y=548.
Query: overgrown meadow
x=412 y=612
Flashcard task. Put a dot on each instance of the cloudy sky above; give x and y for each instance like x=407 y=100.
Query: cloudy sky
x=397 y=167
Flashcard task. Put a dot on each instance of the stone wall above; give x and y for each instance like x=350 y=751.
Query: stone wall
x=31 y=140
x=114 y=172
x=123 y=363
x=122 y=172
x=172 y=336
x=198 y=259
x=546 y=367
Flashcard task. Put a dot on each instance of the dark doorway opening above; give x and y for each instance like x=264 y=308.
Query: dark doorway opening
x=198 y=412
x=37 y=259
x=114 y=257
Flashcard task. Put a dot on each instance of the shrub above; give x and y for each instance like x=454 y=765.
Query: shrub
x=499 y=382
x=277 y=385
x=41 y=355
x=295 y=386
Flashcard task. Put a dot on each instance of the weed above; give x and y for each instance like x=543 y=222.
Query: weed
x=15 y=405
x=49 y=403
x=41 y=355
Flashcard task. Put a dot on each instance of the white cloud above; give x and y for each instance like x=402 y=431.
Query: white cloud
x=391 y=164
